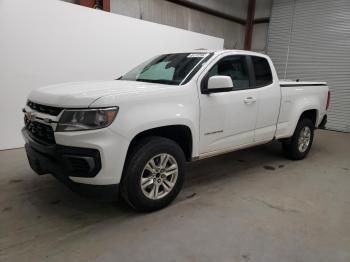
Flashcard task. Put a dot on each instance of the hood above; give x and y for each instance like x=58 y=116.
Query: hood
x=82 y=94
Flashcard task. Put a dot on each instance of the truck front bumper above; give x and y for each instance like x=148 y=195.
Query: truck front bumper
x=70 y=163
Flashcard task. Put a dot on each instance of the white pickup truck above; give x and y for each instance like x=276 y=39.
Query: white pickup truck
x=132 y=136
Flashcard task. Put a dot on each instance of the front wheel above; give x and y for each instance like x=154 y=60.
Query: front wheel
x=154 y=174
x=299 y=145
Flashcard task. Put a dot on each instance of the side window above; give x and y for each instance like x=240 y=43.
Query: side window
x=234 y=67
x=262 y=70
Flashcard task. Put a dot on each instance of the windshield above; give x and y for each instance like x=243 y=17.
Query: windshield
x=171 y=69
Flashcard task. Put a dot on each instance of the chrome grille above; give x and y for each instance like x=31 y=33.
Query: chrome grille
x=50 y=110
x=40 y=131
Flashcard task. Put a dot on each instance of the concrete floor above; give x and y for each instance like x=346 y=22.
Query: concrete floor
x=252 y=205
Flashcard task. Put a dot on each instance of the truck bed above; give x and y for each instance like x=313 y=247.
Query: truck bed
x=298 y=97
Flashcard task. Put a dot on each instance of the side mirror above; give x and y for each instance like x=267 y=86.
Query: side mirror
x=219 y=84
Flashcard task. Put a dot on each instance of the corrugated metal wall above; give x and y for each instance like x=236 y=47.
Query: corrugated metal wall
x=167 y=13
x=310 y=40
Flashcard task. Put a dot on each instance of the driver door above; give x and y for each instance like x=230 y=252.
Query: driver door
x=227 y=119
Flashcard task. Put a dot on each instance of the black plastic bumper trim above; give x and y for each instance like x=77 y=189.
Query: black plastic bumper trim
x=55 y=160
x=75 y=161
x=323 y=123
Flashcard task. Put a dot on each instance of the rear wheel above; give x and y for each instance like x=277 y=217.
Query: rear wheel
x=299 y=145
x=154 y=174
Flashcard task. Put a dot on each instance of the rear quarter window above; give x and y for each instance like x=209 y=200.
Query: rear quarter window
x=262 y=71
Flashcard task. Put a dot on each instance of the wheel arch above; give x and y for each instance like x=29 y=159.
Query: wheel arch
x=311 y=114
x=180 y=134
x=308 y=112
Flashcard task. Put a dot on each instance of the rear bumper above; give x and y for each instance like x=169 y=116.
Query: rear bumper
x=64 y=162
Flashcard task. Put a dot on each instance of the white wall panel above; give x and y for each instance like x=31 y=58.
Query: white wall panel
x=47 y=41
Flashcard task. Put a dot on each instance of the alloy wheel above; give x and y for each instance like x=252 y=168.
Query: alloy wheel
x=159 y=176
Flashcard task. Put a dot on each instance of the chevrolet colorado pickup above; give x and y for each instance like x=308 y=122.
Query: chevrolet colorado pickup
x=131 y=137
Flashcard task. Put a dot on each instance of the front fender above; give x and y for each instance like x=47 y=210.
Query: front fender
x=144 y=112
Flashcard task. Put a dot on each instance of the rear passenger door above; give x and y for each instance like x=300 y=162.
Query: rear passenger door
x=268 y=94
x=227 y=119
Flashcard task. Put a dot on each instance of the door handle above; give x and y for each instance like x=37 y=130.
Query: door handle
x=249 y=100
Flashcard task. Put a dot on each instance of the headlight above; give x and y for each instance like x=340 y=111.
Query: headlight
x=86 y=119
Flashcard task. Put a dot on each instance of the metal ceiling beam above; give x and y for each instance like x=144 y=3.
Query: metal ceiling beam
x=207 y=10
x=87 y=3
x=262 y=20
x=104 y=4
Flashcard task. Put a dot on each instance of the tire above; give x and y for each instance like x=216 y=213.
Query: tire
x=292 y=147
x=140 y=167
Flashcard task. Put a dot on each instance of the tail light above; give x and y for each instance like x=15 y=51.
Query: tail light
x=328 y=99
